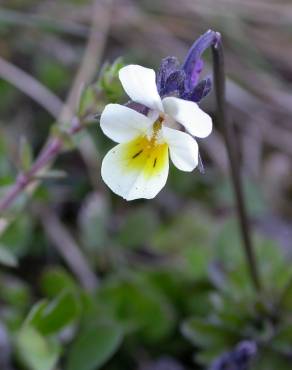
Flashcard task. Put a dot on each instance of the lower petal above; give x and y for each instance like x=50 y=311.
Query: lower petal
x=183 y=149
x=137 y=169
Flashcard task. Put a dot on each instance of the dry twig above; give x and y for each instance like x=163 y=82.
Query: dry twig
x=68 y=248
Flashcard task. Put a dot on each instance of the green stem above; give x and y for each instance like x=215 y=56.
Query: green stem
x=227 y=129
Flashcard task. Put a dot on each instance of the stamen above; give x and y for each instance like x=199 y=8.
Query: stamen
x=156 y=129
x=154 y=163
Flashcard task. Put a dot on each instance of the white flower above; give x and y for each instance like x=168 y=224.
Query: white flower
x=138 y=166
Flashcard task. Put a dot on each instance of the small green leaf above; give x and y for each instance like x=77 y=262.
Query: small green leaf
x=61 y=133
x=109 y=81
x=88 y=100
x=57 y=314
x=35 y=351
x=94 y=347
x=25 y=154
x=17 y=235
x=36 y=312
x=14 y=292
x=52 y=174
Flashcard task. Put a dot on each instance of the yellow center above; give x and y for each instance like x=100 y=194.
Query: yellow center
x=146 y=155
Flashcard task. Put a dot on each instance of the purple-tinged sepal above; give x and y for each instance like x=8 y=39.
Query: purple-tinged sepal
x=140 y=108
x=200 y=91
x=167 y=66
x=174 y=85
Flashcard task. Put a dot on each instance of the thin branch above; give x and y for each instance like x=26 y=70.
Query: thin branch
x=45 y=23
x=101 y=13
x=31 y=87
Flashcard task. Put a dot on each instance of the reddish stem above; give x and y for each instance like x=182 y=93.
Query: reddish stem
x=51 y=150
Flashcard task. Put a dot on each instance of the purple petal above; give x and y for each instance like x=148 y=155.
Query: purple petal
x=192 y=64
x=198 y=67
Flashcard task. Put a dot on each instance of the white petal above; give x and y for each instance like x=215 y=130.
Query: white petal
x=139 y=83
x=122 y=124
x=133 y=173
x=188 y=113
x=183 y=149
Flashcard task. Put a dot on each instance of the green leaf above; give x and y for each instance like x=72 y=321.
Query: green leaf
x=35 y=351
x=208 y=335
x=25 y=154
x=7 y=258
x=55 y=280
x=57 y=314
x=88 y=100
x=94 y=347
x=17 y=235
x=138 y=306
x=35 y=314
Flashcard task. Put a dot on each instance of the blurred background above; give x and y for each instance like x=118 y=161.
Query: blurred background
x=89 y=281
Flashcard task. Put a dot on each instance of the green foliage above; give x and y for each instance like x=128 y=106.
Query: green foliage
x=94 y=346
x=236 y=312
x=36 y=351
x=17 y=235
x=107 y=89
x=138 y=227
x=109 y=81
x=172 y=276
x=138 y=306
x=51 y=317
x=36 y=342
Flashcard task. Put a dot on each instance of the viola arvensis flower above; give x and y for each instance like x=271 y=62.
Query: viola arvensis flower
x=138 y=166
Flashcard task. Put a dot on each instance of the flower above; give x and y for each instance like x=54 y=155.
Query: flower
x=138 y=166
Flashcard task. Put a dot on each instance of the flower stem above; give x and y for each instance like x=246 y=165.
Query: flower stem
x=52 y=149
x=219 y=82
